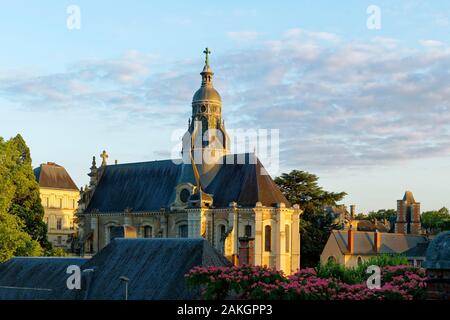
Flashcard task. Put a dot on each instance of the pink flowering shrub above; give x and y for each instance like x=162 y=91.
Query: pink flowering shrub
x=248 y=282
x=262 y=283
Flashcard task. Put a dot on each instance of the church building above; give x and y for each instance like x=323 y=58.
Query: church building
x=228 y=199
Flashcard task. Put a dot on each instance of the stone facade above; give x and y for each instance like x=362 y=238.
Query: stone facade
x=275 y=231
x=59 y=197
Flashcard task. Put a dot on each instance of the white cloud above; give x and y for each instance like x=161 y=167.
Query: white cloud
x=338 y=104
x=242 y=35
x=431 y=43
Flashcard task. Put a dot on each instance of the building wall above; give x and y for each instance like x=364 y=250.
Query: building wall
x=331 y=251
x=59 y=208
x=283 y=254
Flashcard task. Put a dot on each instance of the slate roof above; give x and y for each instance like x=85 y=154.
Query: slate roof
x=438 y=252
x=52 y=175
x=155 y=269
x=150 y=186
x=391 y=243
x=418 y=251
x=35 y=278
x=366 y=225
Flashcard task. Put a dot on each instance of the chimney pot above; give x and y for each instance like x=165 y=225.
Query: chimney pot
x=351 y=240
x=376 y=241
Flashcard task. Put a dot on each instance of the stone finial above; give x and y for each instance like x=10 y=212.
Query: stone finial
x=258 y=204
x=296 y=206
x=104 y=157
x=94 y=164
x=232 y=204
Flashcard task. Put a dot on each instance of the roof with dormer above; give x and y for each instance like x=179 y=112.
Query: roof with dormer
x=150 y=186
x=53 y=176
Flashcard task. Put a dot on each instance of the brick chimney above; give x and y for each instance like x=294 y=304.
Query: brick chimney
x=353 y=211
x=376 y=241
x=351 y=240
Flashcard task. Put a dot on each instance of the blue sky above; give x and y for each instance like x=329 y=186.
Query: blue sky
x=366 y=110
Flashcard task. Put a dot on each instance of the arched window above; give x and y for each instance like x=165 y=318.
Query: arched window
x=183 y=231
x=331 y=259
x=148 y=232
x=360 y=261
x=248 y=231
x=287 y=237
x=267 y=238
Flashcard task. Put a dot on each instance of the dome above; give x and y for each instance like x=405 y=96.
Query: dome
x=438 y=252
x=206 y=93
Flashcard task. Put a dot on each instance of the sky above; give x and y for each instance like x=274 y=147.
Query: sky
x=366 y=109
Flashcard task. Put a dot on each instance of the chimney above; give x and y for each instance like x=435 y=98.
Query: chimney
x=352 y=211
x=351 y=240
x=376 y=241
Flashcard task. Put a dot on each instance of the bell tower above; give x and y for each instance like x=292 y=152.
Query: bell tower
x=206 y=138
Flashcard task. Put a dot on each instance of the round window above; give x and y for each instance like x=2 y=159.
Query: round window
x=184 y=195
x=203 y=108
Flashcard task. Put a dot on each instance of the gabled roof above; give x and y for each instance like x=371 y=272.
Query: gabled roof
x=150 y=186
x=51 y=175
x=409 y=197
x=391 y=243
x=155 y=269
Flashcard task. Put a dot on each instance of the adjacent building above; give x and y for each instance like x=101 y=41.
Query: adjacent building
x=228 y=199
x=361 y=240
x=59 y=196
x=351 y=248
x=408 y=215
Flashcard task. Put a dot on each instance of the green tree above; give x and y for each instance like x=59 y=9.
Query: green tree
x=380 y=215
x=18 y=194
x=436 y=221
x=26 y=203
x=300 y=187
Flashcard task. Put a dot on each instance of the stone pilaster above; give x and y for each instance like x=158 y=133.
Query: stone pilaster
x=295 y=236
x=94 y=228
x=280 y=241
x=258 y=233
x=194 y=223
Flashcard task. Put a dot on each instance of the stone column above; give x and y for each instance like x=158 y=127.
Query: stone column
x=94 y=228
x=280 y=249
x=258 y=234
x=194 y=222
x=295 y=239
x=163 y=226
